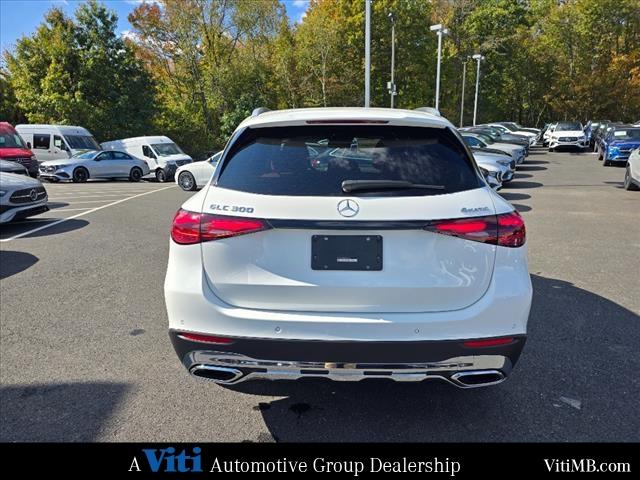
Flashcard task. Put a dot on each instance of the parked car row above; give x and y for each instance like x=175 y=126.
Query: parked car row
x=498 y=148
x=62 y=152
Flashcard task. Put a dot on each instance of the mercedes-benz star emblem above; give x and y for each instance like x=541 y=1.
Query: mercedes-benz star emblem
x=348 y=208
x=33 y=194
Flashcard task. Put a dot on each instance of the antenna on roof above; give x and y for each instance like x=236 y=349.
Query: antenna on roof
x=431 y=110
x=259 y=111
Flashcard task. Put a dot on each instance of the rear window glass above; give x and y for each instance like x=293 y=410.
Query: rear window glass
x=315 y=160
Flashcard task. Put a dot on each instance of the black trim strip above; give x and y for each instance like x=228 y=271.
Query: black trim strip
x=349 y=224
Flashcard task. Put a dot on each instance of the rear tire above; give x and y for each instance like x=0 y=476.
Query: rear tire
x=552 y=149
x=628 y=183
x=135 y=175
x=187 y=182
x=80 y=175
x=161 y=176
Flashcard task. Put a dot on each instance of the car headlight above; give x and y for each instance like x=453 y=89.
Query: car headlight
x=3 y=193
x=505 y=163
x=614 y=150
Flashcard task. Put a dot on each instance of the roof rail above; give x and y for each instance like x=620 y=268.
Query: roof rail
x=430 y=110
x=259 y=111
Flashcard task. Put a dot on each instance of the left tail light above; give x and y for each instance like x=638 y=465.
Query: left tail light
x=191 y=227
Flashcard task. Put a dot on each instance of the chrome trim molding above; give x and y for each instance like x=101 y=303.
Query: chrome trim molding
x=244 y=368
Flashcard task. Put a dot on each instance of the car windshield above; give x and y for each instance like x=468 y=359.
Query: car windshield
x=11 y=140
x=569 y=126
x=316 y=160
x=166 y=149
x=628 y=134
x=82 y=142
x=86 y=155
x=215 y=159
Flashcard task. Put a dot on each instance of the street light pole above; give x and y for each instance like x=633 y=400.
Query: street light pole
x=367 y=53
x=464 y=77
x=478 y=58
x=392 y=83
x=440 y=31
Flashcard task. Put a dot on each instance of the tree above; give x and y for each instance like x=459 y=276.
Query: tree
x=82 y=72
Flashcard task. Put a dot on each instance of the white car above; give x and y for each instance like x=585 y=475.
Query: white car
x=348 y=243
x=496 y=163
x=567 y=134
x=20 y=197
x=194 y=176
x=632 y=172
x=95 y=164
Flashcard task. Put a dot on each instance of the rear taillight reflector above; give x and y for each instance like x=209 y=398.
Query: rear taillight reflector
x=196 y=337
x=190 y=227
x=488 y=342
x=506 y=230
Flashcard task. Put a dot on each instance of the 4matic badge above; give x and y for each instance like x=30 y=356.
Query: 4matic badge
x=476 y=210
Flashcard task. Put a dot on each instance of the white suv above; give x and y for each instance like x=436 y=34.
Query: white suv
x=348 y=243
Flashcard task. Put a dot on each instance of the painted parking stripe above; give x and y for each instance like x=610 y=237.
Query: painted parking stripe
x=58 y=222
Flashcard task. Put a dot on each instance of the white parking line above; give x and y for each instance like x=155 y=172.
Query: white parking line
x=94 y=196
x=57 y=222
x=90 y=201
x=68 y=209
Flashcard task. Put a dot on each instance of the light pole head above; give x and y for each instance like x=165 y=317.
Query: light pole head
x=392 y=18
x=478 y=57
x=436 y=28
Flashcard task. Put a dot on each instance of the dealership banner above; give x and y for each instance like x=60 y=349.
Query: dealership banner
x=301 y=460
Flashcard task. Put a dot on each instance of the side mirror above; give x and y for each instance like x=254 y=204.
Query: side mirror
x=29 y=145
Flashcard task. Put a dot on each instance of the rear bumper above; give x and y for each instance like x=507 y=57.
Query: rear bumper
x=253 y=358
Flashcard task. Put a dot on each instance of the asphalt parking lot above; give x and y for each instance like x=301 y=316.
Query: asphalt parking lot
x=85 y=355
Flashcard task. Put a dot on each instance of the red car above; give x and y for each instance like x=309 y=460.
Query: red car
x=13 y=148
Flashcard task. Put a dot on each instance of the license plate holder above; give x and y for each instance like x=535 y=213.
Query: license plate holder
x=346 y=252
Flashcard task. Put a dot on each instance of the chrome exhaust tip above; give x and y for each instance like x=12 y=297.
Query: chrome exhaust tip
x=478 y=378
x=222 y=375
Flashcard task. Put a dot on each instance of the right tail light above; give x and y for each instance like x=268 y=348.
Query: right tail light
x=506 y=230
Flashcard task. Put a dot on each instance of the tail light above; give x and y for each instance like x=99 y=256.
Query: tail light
x=191 y=227
x=506 y=230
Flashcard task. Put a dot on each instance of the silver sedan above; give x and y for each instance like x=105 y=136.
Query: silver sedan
x=95 y=164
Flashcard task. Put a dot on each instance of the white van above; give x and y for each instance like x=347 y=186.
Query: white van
x=161 y=154
x=55 y=142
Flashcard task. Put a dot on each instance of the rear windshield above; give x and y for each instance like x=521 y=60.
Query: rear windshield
x=315 y=160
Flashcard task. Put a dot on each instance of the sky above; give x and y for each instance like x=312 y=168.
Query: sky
x=22 y=17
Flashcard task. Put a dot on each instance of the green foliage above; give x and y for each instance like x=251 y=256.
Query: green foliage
x=82 y=72
x=196 y=68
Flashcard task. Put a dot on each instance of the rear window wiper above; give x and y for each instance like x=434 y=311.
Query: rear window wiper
x=358 y=185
